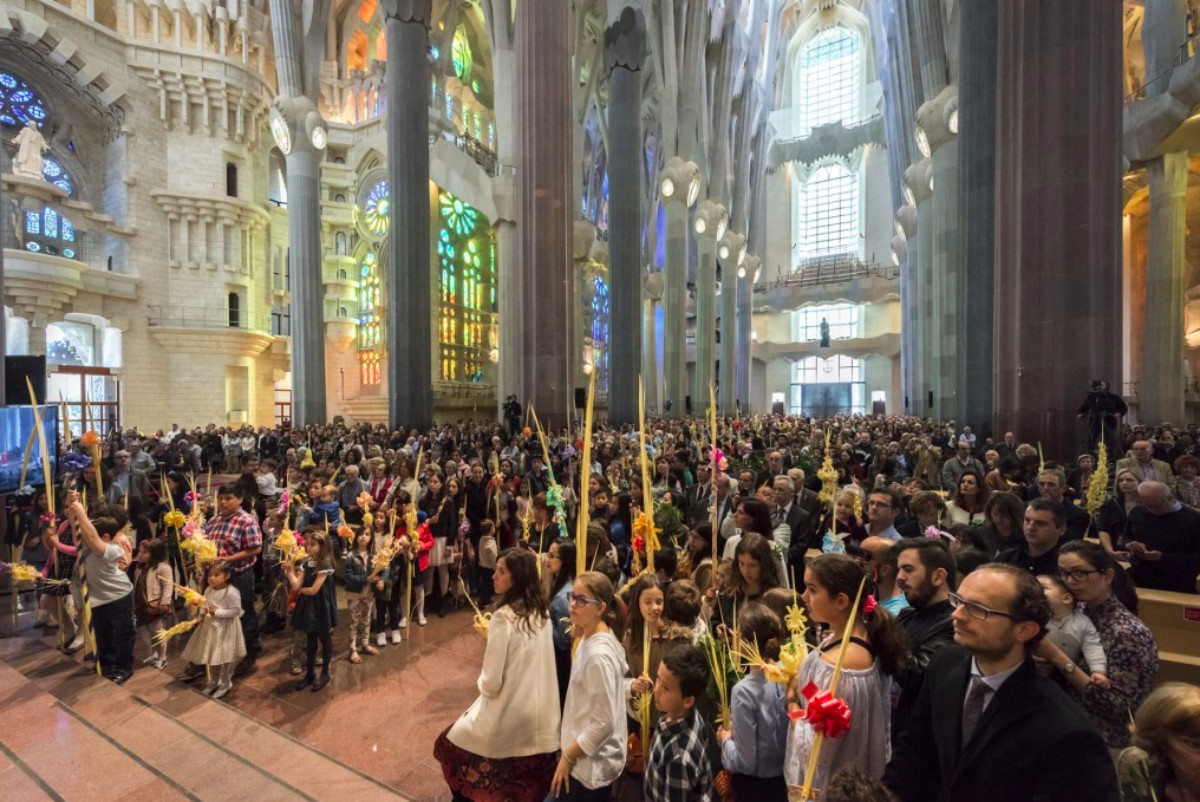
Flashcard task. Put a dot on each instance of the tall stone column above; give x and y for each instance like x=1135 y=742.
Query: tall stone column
x=977 y=205
x=300 y=134
x=1160 y=389
x=624 y=53
x=709 y=226
x=747 y=272
x=1164 y=30
x=409 y=325
x=544 y=201
x=1058 y=204
x=947 y=268
x=678 y=189
x=926 y=329
x=730 y=252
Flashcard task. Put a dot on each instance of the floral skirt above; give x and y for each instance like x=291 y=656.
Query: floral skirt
x=484 y=779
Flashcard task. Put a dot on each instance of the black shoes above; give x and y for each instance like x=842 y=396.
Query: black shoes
x=320 y=683
x=304 y=683
x=119 y=677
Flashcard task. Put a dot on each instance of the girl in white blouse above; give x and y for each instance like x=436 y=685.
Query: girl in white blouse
x=507 y=739
x=594 y=730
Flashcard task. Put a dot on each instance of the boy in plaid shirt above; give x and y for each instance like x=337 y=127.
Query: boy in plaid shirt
x=678 y=768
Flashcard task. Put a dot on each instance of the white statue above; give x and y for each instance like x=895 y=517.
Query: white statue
x=31 y=145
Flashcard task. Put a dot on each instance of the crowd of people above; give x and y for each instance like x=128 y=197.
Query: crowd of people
x=974 y=603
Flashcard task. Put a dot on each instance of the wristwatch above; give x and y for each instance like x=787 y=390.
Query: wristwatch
x=1069 y=668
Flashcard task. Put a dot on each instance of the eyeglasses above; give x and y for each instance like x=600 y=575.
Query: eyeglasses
x=977 y=610
x=1075 y=574
x=575 y=598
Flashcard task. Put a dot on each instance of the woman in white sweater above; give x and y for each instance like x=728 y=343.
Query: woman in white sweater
x=503 y=747
x=594 y=730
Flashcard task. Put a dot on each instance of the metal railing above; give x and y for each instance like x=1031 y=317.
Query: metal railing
x=829 y=270
x=207 y=317
x=484 y=156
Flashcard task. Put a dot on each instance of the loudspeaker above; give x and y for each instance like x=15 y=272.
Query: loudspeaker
x=580 y=397
x=16 y=369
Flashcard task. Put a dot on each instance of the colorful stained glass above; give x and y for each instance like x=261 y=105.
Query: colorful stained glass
x=19 y=103
x=466 y=290
x=460 y=54
x=368 y=362
x=68 y=230
x=33 y=223
x=599 y=330
x=379 y=206
x=50 y=223
x=370 y=316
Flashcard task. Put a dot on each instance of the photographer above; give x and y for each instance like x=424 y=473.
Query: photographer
x=1103 y=411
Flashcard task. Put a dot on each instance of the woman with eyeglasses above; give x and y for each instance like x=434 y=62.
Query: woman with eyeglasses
x=505 y=741
x=1101 y=585
x=594 y=730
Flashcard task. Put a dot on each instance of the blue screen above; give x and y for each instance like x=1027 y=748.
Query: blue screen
x=16 y=425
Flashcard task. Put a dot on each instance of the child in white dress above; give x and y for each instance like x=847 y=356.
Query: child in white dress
x=217 y=641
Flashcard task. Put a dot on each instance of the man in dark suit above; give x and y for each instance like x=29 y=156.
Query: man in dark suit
x=808 y=501
x=787 y=511
x=986 y=726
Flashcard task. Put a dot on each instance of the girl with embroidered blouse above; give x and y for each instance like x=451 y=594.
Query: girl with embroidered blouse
x=877 y=651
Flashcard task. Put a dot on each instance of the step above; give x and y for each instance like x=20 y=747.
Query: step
x=168 y=740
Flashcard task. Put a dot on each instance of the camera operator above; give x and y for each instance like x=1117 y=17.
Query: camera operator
x=1103 y=411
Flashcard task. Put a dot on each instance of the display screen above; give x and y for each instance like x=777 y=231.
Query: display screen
x=16 y=427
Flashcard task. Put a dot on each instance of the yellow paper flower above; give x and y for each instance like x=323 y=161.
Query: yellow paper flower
x=286 y=541
x=345 y=532
x=190 y=597
x=23 y=574
x=175 y=519
x=1097 y=490
x=89 y=439
x=796 y=621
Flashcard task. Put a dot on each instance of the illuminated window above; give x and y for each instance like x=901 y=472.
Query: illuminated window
x=828 y=83
x=49 y=232
x=833 y=386
x=370 y=316
x=379 y=209
x=466 y=291
x=842 y=318
x=19 y=103
x=829 y=212
x=599 y=331
x=356 y=51
x=366 y=10
x=56 y=175
x=460 y=54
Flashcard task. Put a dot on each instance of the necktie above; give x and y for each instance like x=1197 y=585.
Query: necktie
x=973 y=708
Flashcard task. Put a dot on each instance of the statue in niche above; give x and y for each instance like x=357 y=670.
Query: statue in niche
x=30 y=147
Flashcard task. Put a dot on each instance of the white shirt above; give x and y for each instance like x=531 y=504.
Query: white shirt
x=594 y=715
x=514 y=715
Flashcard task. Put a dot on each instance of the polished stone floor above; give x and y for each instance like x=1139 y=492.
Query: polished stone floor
x=67 y=734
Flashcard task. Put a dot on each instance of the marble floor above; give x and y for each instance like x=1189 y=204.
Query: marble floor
x=67 y=734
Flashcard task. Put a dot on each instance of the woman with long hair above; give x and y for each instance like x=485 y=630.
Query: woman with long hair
x=594 y=728
x=878 y=650
x=1101 y=585
x=1164 y=761
x=502 y=748
x=1005 y=514
x=1113 y=516
x=562 y=566
x=697 y=561
x=754 y=572
x=443 y=525
x=968 y=504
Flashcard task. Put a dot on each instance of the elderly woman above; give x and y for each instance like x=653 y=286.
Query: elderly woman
x=1164 y=762
x=1187 y=481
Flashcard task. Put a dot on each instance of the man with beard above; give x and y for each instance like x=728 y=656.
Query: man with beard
x=925 y=572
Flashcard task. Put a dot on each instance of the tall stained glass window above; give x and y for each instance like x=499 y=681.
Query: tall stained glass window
x=370 y=316
x=466 y=290
x=460 y=54
x=49 y=232
x=599 y=330
x=829 y=81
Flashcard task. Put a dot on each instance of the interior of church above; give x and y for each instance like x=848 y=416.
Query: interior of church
x=373 y=250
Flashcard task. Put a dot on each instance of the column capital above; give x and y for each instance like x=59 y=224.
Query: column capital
x=937 y=121
x=731 y=251
x=420 y=11
x=625 y=41
x=679 y=181
x=710 y=220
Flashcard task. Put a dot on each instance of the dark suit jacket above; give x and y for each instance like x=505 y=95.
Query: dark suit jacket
x=1033 y=743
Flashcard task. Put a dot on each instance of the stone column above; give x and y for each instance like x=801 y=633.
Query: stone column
x=545 y=203
x=1058 y=211
x=650 y=304
x=409 y=318
x=1161 y=388
x=977 y=205
x=675 y=308
x=729 y=252
x=708 y=226
x=745 y=305
x=947 y=268
x=624 y=53
x=1164 y=30
x=294 y=123
x=920 y=262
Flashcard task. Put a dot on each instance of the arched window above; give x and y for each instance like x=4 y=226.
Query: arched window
x=57 y=175
x=19 y=103
x=466 y=289
x=379 y=207
x=829 y=79
x=339 y=243
x=49 y=232
x=829 y=212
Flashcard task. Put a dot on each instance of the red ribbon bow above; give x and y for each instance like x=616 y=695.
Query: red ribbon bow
x=826 y=713
x=869 y=606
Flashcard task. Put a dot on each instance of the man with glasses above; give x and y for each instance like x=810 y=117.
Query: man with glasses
x=883 y=505
x=1147 y=469
x=986 y=727
x=926 y=572
x=1044 y=528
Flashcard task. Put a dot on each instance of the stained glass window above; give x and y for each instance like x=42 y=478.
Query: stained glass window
x=370 y=316
x=466 y=290
x=830 y=66
x=57 y=175
x=379 y=203
x=599 y=330
x=460 y=54
x=19 y=103
x=33 y=223
x=49 y=232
